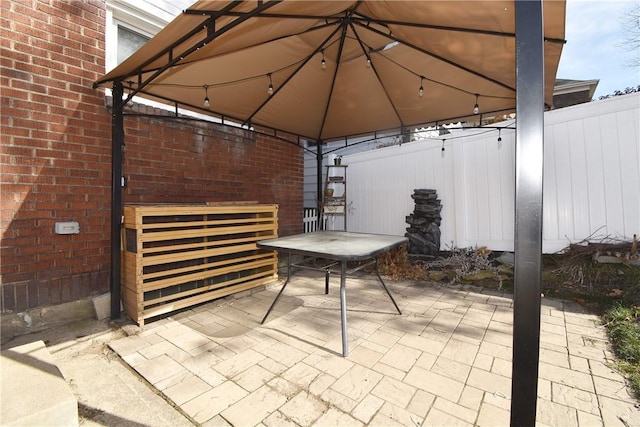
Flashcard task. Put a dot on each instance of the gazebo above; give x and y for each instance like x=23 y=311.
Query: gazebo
x=325 y=70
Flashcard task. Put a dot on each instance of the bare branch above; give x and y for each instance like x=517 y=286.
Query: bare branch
x=631 y=29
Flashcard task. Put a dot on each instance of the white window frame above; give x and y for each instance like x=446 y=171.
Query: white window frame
x=136 y=16
x=145 y=17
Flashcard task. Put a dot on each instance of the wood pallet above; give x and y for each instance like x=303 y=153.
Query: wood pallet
x=176 y=256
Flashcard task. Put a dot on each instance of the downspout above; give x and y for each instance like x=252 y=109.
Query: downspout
x=319 y=183
x=117 y=148
x=528 y=210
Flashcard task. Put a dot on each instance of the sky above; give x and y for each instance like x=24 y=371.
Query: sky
x=594 y=50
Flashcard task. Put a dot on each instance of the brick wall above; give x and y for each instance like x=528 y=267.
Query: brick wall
x=177 y=160
x=55 y=157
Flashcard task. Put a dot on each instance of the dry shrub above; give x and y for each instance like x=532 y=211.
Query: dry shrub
x=396 y=265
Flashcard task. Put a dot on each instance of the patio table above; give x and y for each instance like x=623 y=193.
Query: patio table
x=339 y=247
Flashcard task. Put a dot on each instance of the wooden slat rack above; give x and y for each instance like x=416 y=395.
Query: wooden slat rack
x=176 y=256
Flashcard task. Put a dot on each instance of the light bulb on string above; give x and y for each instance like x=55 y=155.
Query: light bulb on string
x=270 y=89
x=421 y=90
x=368 y=62
x=323 y=63
x=206 y=96
x=476 y=108
x=442 y=149
x=499 y=139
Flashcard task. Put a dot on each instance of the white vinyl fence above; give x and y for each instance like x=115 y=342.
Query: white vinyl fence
x=591 y=180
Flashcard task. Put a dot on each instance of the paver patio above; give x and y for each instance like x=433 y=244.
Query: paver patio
x=445 y=361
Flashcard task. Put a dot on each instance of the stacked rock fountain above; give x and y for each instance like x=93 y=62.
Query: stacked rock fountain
x=424 y=223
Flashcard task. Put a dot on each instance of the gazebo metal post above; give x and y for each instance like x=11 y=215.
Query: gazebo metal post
x=117 y=147
x=319 y=183
x=405 y=134
x=528 y=210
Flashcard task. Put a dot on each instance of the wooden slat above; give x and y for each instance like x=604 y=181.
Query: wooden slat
x=237 y=282
x=129 y=217
x=186 y=234
x=207 y=265
x=128 y=272
x=203 y=275
x=190 y=255
x=197 y=299
x=205 y=223
x=241 y=202
x=233 y=238
x=160 y=210
x=132 y=304
x=207 y=244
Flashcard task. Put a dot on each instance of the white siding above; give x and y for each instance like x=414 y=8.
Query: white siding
x=591 y=180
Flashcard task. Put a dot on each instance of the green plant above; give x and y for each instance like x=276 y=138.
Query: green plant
x=623 y=323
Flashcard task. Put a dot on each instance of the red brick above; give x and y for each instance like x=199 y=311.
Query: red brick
x=43 y=292
x=55 y=291
x=167 y=160
x=21 y=296
x=8 y=297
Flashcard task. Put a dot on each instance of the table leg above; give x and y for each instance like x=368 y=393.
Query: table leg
x=326 y=281
x=282 y=289
x=343 y=307
x=385 y=288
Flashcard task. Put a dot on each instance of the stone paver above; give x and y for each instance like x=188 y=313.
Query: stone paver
x=253 y=408
x=333 y=417
x=188 y=388
x=357 y=382
x=394 y=391
x=445 y=361
x=253 y=378
x=401 y=357
x=158 y=369
x=213 y=402
x=367 y=408
x=434 y=383
x=438 y=417
x=304 y=408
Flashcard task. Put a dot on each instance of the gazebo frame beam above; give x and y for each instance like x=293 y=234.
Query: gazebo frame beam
x=528 y=210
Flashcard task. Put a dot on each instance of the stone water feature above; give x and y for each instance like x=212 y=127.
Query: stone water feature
x=424 y=223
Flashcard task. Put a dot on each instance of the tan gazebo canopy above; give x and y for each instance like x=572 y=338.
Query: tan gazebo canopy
x=339 y=68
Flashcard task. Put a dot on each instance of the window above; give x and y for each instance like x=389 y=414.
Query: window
x=129 y=41
x=129 y=25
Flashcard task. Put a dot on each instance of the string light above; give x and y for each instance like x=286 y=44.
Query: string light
x=323 y=63
x=270 y=90
x=442 y=149
x=421 y=90
x=476 y=109
x=206 y=96
x=368 y=62
x=499 y=139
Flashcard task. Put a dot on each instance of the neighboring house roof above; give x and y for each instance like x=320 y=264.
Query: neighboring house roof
x=571 y=92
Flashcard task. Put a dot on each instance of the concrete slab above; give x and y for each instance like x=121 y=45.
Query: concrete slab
x=34 y=392
x=40 y=319
x=108 y=392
